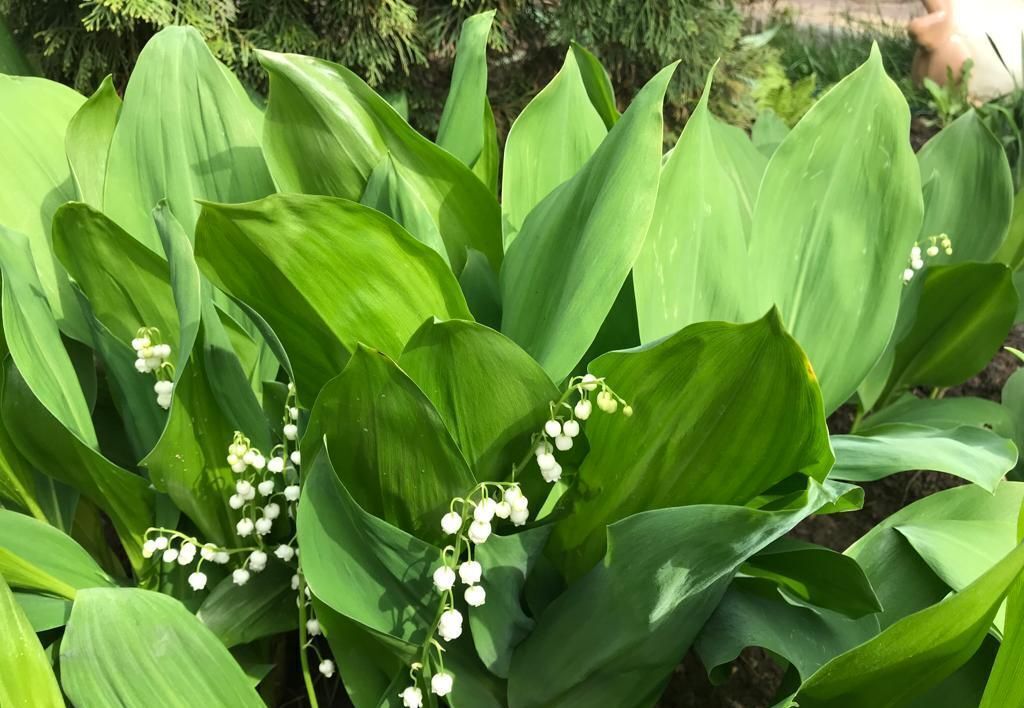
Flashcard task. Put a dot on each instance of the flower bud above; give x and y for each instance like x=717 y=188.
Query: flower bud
x=412 y=697
x=244 y=527
x=606 y=402
x=148 y=548
x=284 y=552
x=257 y=561
x=296 y=457
x=583 y=409
x=570 y=428
x=266 y=488
x=627 y=411
x=502 y=510
x=326 y=668
x=197 y=580
x=291 y=431
x=563 y=442
x=589 y=382
x=291 y=492
x=552 y=475
x=263 y=526
x=313 y=627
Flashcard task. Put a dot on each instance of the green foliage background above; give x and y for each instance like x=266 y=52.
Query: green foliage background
x=408 y=45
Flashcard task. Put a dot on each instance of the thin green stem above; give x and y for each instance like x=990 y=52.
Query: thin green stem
x=303 y=639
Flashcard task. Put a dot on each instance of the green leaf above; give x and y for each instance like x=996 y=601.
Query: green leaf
x=962 y=318
x=577 y=246
x=346 y=131
x=550 y=140
x=54 y=450
x=17 y=478
x=838 y=210
x=359 y=565
x=37 y=556
x=917 y=652
x=34 y=340
x=713 y=381
x=37 y=181
x=753 y=612
x=499 y=625
x=598 y=84
x=28 y=679
x=768 y=132
x=943 y=413
x=614 y=637
x=816 y=575
x=1004 y=687
x=186 y=132
x=693 y=265
x=490 y=394
x=129 y=647
x=44 y=611
x=463 y=130
x=1012 y=251
x=384 y=283
x=975 y=454
x=400 y=463
x=968 y=190
x=262 y=607
x=87 y=142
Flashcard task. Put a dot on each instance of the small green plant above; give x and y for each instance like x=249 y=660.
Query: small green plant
x=789 y=99
x=949 y=101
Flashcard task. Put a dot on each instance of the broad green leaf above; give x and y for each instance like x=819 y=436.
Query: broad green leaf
x=37 y=556
x=262 y=607
x=963 y=316
x=968 y=190
x=463 y=131
x=34 y=341
x=943 y=413
x=768 y=132
x=753 y=612
x=713 y=381
x=390 y=193
x=838 y=210
x=975 y=454
x=129 y=647
x=693 y=264
x=480 y=286
x=44 y=611
x=500 y=624
x=361 y=566
x=56 y=451
x=902 y=580
x=185 y=132
x=17 y=478
x=87 y=142
x=816 y=575
x=550 y=140
x=1012 y=251
x=394 y=454
x=383 y=282
x=614 y=637
x=1004 y=687
x=576 y=247
x=37 y=181
x=347 y=129
x=598 y=84
x=917 y=652
x=490 y=394
x=185 y=282
x=28 y=679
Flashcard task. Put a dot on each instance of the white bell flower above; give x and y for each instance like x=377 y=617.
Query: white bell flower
x=313 y=627
x=208 y=552
x=259 y=462
x=326 y=668
x=140 y=343
x=248 y=456
x=296 y=457
x=589 y=382
x=563 y=442
x=263 y=526
x=291 y=492
x=484 y=511
x=275 y=465
x=284 y=552
x=441 y=683
x=141 y=366
x=552 y=428
x=257 y=561
x=295 y=582
x=243 y=487
x=606 y=402
x=244 y=527
x=187 y=553
x=293 y=413
x=240 y=576
x=221 y=557
x=197 y=580
x=239 y=467
x=552 y=475
x=449 y=626
x=148 y=548
x=502 y=510
x=266 y=487
x=163 y=388
x=444 y=578
x=475 y=595
x=583 y=408
x=271 y=511
x=170 y=555
x=908 y=275
x=546 y=461
x=164 y=401
x=479 y=531
x=571 y=428
x=291 y=431
x=627 y=411
x=470 y=572
x=412 y=697
x=451 y=523
x=236 y=502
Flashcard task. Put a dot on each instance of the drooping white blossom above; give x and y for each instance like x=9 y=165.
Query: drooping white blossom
x=326 y=667
x=160 y=542
x=479 y=531
x=451 y=523
x=240 y=576
x=449 y=626
x=284 y=552
x=583 y=408
x=412 y=697
x=296 y=457
x=291 y=431
x=170 y=555
x=552 y=474
x=563 y=442
x=571 y=428
x=441 y=683
x=444 y=578
x=313 y=627
x=553 y=428
x=271 y=511
x=266 y=487
x=244 y=527
x=257 y=561
x=484 y=511
x=275 y=465
x=197 y=580
x=291 y=492
x=148 y=548
x=263 y=526
x=470 y=572
x=475 y=595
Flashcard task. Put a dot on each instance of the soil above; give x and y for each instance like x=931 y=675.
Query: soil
x=755 y=676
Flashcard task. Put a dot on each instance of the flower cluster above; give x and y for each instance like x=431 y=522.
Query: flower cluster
x=471 y=521
x=935 y=244
x=152 y=357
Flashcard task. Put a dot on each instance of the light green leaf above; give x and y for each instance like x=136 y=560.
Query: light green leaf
x=463 y=130
x=490 y=394
x=943 y=413
x=383 y=282
x=347 y=129
x=1012 y=251
x=136 y=648
x=598 y=84
x=37 y=181
x=400 y=463
x=975 y=454
x=54 y=450
x=917 y=652
x=962 y=318
x=768 y=132
x=576 y=247
x=616 y=634
x=816 y=575
x=37 y=556
x=968 y=190
x=550 y=140
x=87 y=142
x=838 y=210
x=28 y=679
x=186 y=132
x=1004 y=687
x=34 y=340
x=44 y=611
x=713 y=381
x=693 y=265
x=17 y=478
